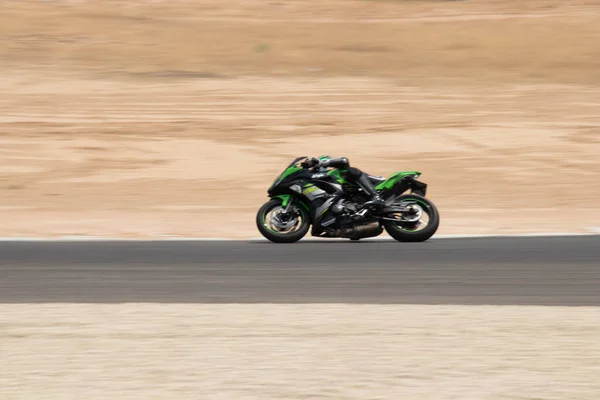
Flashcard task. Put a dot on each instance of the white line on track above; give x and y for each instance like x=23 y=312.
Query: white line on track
x=592 y=231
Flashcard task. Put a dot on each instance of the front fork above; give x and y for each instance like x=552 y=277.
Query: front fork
x=288 y=207
x=287 y=200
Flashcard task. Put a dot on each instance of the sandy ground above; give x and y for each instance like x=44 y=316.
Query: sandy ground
x=339 y=352
x=149 y=119
x=146 y=120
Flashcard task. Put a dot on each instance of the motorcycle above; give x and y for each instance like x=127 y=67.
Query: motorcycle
x=302 y=197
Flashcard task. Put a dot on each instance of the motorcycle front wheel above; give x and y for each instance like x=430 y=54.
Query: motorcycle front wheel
x=277 y=226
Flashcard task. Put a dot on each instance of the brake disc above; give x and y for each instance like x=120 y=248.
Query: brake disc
x=283 y=225
x=415 y=213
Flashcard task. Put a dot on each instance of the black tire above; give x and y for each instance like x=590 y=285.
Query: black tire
x=406 y=235
x=281 y=237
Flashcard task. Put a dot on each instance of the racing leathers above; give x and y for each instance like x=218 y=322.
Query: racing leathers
x=351 y=174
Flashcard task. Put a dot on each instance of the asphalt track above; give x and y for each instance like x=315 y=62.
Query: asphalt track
x=494 y=271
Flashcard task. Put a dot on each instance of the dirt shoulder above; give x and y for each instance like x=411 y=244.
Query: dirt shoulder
x=142 y=121
x=186 y=351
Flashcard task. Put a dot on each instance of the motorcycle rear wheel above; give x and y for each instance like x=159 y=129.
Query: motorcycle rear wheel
x=405 y=231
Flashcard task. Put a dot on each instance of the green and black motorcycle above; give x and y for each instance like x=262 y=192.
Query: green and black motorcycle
x=302 y=197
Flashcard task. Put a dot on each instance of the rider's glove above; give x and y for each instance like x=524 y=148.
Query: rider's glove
x=312 y=162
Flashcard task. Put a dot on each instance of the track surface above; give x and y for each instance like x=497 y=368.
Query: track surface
x=544 y=271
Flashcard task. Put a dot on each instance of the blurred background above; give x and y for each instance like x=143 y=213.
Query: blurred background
x=152 y=118
x=157 y=118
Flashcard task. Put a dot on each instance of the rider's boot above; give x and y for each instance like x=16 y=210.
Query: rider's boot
x=375 y=200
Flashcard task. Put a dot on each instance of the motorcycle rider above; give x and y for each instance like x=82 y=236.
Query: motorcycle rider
x=351 y=174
